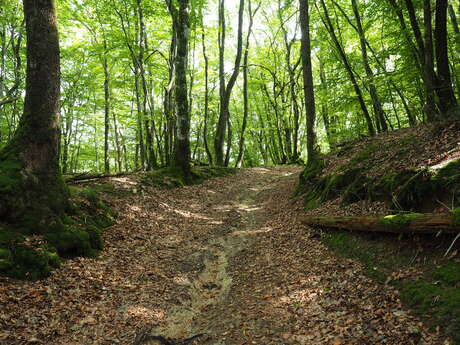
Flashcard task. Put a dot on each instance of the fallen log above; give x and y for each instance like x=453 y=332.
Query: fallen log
x=400 y=223
x=86 y=176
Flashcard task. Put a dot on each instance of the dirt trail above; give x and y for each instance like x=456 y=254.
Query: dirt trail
x=226 y=260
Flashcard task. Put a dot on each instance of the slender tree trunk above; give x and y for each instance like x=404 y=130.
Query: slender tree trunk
x=206 y=96
x=328 y=126
x=117 y=142
x=226 y=91
x=106 y=112
x=292 y=87
x=308 y=88
x=245 y=86
x=33 y=193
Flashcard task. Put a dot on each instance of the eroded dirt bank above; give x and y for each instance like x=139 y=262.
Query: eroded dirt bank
x=227 y=260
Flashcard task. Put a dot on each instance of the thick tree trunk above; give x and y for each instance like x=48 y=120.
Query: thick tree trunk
x=182 y=139
x=308 y=89
x=421 y=223
x=31 y=187
x=444 y=90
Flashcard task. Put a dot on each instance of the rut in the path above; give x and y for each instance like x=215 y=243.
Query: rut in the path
x=195 y=317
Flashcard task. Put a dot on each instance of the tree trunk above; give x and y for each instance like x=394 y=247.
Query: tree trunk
x=445 y=92
x=31 y=187
x=410 y=223
x=431 y=110
x=308 y=89
x=182 y=139
x=245 y=86
x=206 y=96
x=106 y=111
x=226 y=91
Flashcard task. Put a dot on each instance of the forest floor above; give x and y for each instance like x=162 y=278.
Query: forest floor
x=226 y=261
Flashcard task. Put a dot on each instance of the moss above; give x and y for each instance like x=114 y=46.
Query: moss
x=449 y=273
x=347 y=245
x=415 y=190
x=399 y=220
x=438 y=301
x=95 y=237
x=90 y=194
x=72 y=242
x=311 y=172
x=29 y=263
x=350 y=183
x=456 y=217
x=10 y=176
x=450 y=174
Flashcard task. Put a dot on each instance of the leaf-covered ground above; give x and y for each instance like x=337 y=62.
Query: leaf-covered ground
x=226 y=259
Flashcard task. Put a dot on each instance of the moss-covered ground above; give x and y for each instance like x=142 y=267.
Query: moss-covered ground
x=33 y=255
x=433 y=293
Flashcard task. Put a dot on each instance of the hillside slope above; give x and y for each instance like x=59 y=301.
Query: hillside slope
x=410 y=170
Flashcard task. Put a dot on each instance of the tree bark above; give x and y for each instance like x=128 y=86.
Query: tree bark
x=206 y=95
x=307 y=73
x=431 y=110
x=226 y=91
x=445 y=92
x=245 y=86
x=424 y=223
x=182 y=139
x=31 y=187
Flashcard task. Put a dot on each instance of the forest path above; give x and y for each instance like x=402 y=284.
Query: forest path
x=226 y=259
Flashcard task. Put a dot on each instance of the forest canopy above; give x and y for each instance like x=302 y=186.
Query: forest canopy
x=376 y=66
